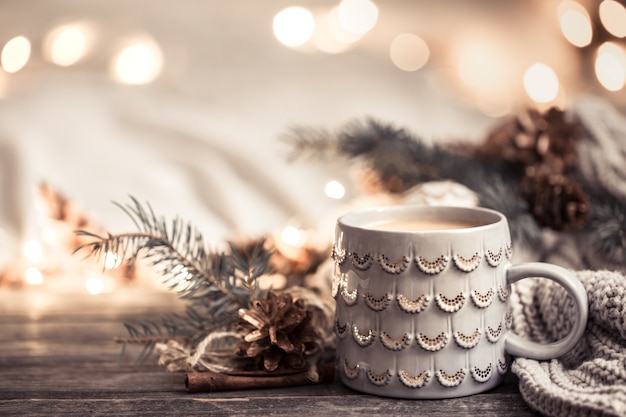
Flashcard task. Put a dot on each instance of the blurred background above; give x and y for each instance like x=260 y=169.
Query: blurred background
x=183 y=104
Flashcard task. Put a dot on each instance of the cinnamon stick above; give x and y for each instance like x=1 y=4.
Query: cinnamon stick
x=215 y=381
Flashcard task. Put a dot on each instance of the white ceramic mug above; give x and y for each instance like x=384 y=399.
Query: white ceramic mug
x=422 y=297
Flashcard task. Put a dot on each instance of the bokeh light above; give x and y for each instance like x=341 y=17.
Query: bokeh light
x=358 y=16
x=610 y=66
x=294 y=237
x=294 y=26
x=15 y=54
x=330 y=37
x=67 y=44
x=33 y=276
x=409 y=52
x=575 y=23
x=541 y=83
x=613 y=17
x=140 y=62
x=94 y=285
x=32 y=251
x=335 y=190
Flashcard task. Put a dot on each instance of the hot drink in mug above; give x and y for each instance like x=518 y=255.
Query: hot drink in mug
x=422 y=301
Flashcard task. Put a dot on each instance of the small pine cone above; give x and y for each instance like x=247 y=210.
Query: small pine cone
x=534 y=138
x=278 y=330
x=555 y=200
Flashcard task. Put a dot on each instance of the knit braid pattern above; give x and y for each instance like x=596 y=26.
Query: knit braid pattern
x=590 y=380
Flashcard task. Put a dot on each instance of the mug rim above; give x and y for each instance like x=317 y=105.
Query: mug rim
x=362 y=219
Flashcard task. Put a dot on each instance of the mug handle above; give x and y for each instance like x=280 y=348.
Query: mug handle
x=517 y=345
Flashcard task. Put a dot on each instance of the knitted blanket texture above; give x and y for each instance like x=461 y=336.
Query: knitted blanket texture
x=590 y=380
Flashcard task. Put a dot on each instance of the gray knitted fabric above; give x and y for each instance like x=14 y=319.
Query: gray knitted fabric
x=590 y=380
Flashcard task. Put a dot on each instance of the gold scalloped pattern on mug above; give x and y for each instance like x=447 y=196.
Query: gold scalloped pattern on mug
x=433 y=267
x=451 y=305
x=395 y=343
x=481 y=375
x=349 y=297
x=467 y=341
x=503 y=293
x=363 y=263
x=351 y=372
x=377 y=303
x=413 y=306
x=393 y=267
x=363 y=340
x=493 y=335
x=432 y=345
x=502 y=367
x=381 y=379
x=453 y=380
x=482 y=300
x=418 y=381
x=494 y=259
x=338 y=254
x=467 y=265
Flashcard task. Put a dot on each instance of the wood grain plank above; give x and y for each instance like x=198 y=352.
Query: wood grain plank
x=58 y=356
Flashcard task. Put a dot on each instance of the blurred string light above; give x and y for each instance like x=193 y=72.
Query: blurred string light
x=409 y=52
x=541 y=83
x=485 y=73
x=294 y=236
x=33 y=276
x=330 y=36
x=32 y=252
x=335 y=190
x=613 y=17
x=294 y=26
x=139 y=62
x=610 y=66
x=15 y=54
x=575 y=23
x=358 y=16
x=67 y=44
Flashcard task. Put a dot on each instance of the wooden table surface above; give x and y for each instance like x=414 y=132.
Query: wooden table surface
x=58 y=357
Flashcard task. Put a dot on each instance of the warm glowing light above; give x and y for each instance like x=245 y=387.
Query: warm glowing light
x=112 y=260
x=409 y=52
x=32 y=251
x=613 y=17
x=294 y=26
x=480 y=65
x=33 y=276
x=541 y=83
x=15 y=54
x=94 y=285
x=610 y=66
x=68 y=44
x=293 y=236
x=575 y=23
x=358 y=16
x=334 y=189
x=330 y=37
x=338 y=31
x=139 y=63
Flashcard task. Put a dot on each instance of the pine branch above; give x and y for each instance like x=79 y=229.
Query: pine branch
x=216 y=284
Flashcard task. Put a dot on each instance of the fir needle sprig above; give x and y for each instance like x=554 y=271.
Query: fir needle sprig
x=216 y=284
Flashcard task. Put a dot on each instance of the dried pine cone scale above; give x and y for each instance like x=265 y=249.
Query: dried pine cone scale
x=277 y=330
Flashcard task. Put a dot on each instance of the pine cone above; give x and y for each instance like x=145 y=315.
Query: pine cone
x=533 y=138
x=278 y=330
x=555 y=200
